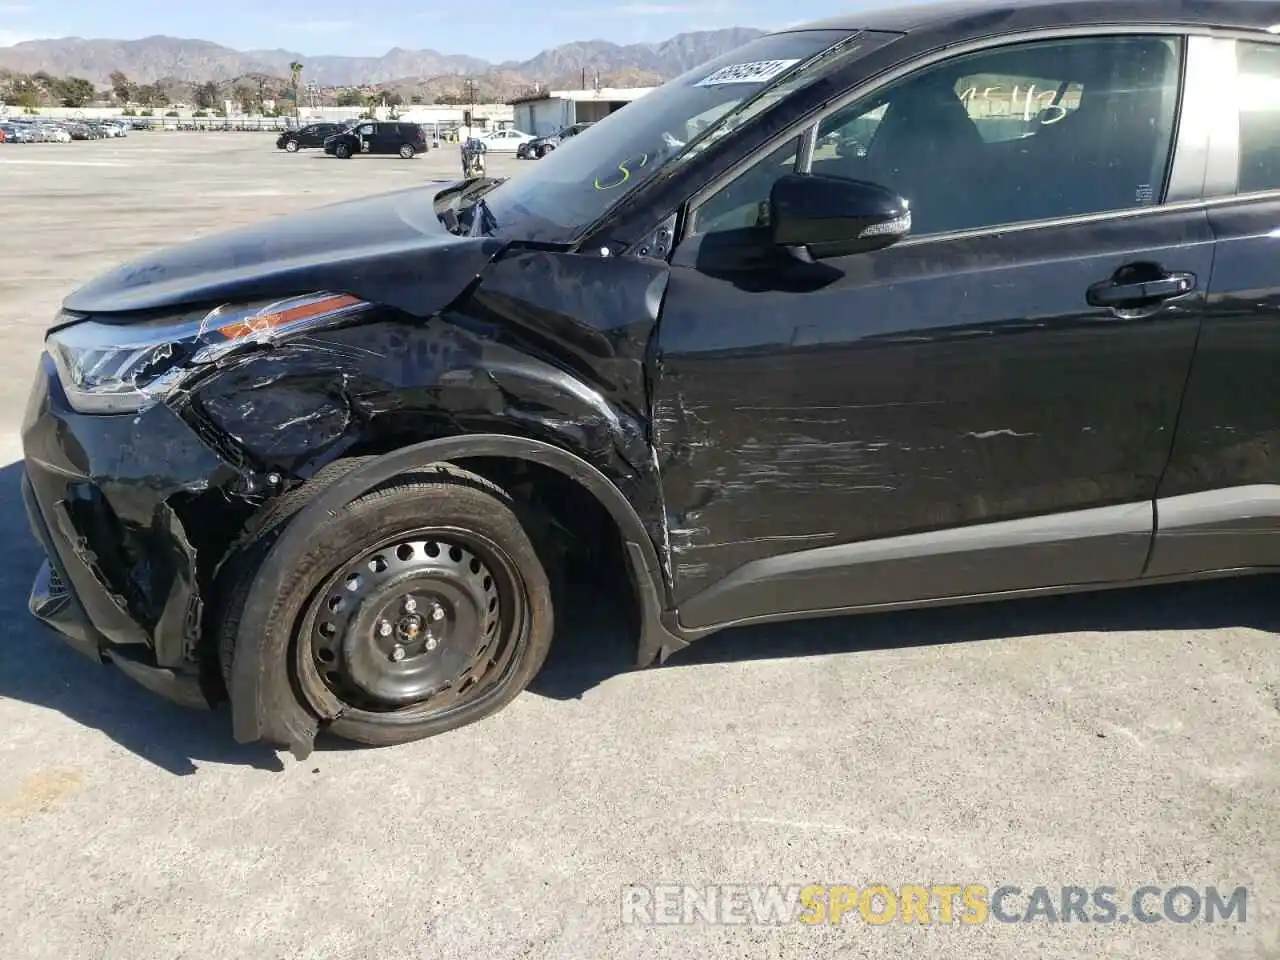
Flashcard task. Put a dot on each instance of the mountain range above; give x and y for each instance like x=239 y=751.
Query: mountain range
x=160 y=58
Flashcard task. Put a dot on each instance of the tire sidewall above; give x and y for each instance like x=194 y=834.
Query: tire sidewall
x=342 y=151
x=366 y=522
x=291 y=146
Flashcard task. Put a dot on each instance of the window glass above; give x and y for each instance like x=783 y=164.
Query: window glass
x=1021 y=133
x=744 y=203
x=1026 y=132
x=1006 y=107
x=1259 y=99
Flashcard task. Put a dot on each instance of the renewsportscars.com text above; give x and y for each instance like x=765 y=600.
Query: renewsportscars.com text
x=879 y=904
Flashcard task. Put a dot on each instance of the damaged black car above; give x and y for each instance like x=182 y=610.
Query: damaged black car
x=926 y=306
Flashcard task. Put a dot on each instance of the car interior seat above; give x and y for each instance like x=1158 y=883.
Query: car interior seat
x=926 y=149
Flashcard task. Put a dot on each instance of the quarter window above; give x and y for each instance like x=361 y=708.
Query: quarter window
x=1258 y=89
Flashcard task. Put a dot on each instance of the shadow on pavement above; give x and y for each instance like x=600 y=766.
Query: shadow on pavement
x=597 y=647
x=594 y=646
x=36 y=668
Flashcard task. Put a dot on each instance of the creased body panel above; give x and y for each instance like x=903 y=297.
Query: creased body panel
x=592 y=319
x=927 y=386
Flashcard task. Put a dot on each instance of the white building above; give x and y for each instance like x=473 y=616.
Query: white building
x=554 y=110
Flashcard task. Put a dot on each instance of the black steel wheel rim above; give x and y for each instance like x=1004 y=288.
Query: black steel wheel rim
x=419 y=623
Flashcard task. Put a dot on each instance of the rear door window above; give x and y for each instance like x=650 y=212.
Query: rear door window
x=1258 y=93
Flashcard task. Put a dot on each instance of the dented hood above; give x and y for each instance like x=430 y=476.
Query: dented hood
x=389 y=249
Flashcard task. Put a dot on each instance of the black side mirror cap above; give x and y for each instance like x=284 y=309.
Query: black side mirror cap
x=816 y=217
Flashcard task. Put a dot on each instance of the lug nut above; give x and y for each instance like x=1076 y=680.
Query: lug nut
x=437 y=612
x=432 y=642
x=384 y=629
x=410 y=605
x=397 y=653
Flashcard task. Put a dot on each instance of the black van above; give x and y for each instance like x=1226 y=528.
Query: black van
x=378 y=136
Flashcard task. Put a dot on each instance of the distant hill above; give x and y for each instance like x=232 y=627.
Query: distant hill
x=159 y=58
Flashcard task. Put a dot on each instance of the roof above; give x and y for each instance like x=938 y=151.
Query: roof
x=606 y=93
x=977 y=17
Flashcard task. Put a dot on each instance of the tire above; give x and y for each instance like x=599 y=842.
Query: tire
x=406 y=151
x=342 y=151
x=291 y=146
x=545 y=149
x=488 y=575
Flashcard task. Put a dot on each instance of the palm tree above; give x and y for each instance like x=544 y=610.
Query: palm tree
x=295 y=75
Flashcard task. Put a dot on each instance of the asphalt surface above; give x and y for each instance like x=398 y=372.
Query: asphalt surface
x=1117 y=739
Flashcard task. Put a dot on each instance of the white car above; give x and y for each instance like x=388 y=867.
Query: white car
x=505 y=141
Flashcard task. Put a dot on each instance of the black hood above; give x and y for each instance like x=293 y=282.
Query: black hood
x=388 y=249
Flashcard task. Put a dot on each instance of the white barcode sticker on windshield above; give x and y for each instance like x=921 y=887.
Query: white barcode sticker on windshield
x=761 y=71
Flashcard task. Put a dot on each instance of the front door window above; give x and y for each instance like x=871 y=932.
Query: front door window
x=1028 y=132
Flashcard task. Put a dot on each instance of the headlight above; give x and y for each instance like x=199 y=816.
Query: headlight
x=115 y=368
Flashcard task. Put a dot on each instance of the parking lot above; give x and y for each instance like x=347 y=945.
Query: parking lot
x=1119 y=739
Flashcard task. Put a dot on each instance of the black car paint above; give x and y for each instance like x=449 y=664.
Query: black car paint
x=966 y=409
x=371 y=248
x=387 y=138
x=313 y=135
x=627 y=373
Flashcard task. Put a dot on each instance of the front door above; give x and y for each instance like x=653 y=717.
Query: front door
x=983 y=408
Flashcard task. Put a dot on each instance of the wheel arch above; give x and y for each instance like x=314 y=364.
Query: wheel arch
x=258 y=711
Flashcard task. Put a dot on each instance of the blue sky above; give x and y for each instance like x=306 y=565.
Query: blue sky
x=494 y=29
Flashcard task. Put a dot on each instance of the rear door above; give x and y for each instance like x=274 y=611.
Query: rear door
x=1219 y=506
x=986 y=407
x=386 y=138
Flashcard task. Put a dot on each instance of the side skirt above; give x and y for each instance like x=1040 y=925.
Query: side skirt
x=1202 y=536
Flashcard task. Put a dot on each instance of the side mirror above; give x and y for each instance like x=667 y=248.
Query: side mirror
x=815 y=217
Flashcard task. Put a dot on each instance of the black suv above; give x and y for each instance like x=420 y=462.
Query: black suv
x=386 y=137
x=1014 y=329
x=312 y=135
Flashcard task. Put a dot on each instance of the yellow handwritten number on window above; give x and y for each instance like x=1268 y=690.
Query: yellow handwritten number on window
x=623 y=173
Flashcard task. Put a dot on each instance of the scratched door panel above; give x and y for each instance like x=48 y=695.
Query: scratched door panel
x=926 y=386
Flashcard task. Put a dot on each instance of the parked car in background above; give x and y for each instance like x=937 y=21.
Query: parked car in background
x=505 y=141
x=378 y=137
x=17 y=133
x=539 y=147
x=312 y=135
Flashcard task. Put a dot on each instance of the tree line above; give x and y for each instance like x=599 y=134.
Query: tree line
x=249 y=93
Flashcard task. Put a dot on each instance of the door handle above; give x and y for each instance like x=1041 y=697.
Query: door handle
x=1140 y=293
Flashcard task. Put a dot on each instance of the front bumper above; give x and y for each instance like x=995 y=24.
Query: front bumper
x=111 y=500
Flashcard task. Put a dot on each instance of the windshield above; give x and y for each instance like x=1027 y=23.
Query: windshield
x=590 y=172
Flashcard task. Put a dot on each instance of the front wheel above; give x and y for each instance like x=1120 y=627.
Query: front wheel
x=291 y=146
x=544 y=150
x=342 y=152
x=417 y=609
x=406 y=151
